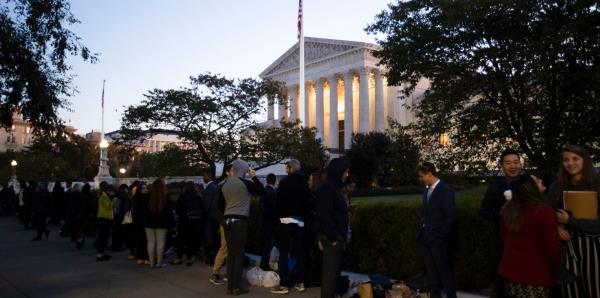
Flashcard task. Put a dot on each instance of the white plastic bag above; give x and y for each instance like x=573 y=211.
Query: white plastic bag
x=255 y=276
x=270 y=279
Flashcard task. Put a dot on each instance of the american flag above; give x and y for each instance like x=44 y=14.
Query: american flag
x=299 y=18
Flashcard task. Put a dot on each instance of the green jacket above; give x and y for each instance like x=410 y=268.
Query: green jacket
x=105 y=207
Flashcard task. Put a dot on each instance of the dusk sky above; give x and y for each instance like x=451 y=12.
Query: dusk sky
x=147 y=44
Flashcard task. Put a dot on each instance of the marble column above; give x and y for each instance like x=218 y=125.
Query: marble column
x=363 y=101
x=307 y=96
x=271 y=109
x=319 y=110
x=333 y=113
x=283 y=115
x=379 y=102
x=348 y=109
x=291 y=91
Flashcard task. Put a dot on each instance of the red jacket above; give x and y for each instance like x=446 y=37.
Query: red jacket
x=531 y=254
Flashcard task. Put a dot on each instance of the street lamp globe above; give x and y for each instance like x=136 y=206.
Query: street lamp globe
x=13 y=163
x=122 y=171
x=104 y=143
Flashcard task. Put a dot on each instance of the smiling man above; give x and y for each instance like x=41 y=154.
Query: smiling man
x=496 y=195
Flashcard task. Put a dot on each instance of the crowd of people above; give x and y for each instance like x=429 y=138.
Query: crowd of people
x=539 y=249
x=300 y=216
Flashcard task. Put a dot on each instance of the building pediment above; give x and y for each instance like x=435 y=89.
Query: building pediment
x=315 y=49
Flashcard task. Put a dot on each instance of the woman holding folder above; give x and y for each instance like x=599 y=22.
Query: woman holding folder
x=581 y=235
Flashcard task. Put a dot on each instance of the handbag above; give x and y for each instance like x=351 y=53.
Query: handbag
x=128 y=218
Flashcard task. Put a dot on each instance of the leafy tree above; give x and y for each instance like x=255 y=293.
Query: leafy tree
x=60 y=157
x=402 y=157
x=34 y=49
x=289 y=140
x=210 y=115
x=171 y=161
x=501 y=73
x=367 y=157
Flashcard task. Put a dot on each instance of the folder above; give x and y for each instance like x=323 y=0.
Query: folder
x=581 y=204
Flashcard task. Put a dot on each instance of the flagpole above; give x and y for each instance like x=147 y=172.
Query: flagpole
x=102 y=136
x=302 y=91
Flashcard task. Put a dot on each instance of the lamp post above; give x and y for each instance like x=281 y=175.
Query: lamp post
x=13 y=178
x=103 y=171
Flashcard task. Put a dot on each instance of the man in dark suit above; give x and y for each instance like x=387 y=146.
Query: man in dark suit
x=434 y=229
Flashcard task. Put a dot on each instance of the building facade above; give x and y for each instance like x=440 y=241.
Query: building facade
x=150 y=141
x=346 y=91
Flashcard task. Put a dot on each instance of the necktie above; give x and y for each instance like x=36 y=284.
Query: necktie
x=429 y=191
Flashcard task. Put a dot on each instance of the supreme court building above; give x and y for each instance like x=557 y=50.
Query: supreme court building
x=346 y=91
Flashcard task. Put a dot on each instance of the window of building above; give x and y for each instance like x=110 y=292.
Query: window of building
x=341 y=135
x=444 y=140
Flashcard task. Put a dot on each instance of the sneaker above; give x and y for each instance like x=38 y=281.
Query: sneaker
x=131 y=257
x=103 y=258
x=146 y=262
x=176 y=262
x=280 y=290
x=163 y=265
x=216 y=280
x=140 y=262
x=236 y=292
x=300 y=287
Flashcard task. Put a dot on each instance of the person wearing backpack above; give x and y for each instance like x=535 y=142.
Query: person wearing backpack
x=190 y=211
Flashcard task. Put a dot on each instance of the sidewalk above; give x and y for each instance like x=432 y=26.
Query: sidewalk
x=54 y=268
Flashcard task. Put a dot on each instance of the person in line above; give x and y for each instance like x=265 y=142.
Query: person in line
x=268 y=220
x=531 y=252
x=314 y=258
x=76 y=211
x=210 y=227
x=495 y=197
x=40 y=211
x=120 y=207
x=157 y=220
x=236 y=192
x=140 y=207
x=58 y=204
x=434 y=230
x=577 y=173
x=129 y=228
x=293 y=196
x=28 y=204
x=190 y=211
x=104 y=219
x=217 y=210
x=332 y=224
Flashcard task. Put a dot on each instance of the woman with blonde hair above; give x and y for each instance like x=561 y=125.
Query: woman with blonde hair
x=158 y=219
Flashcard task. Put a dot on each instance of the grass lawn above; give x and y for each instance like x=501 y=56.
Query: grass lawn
x=470 y=194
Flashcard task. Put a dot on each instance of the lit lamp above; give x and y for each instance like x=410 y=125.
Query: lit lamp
x=13 y=179
x=122 y=171
x=104 y=144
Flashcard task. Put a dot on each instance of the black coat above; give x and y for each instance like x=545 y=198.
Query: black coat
x=162 y=220
x=438 y=214
x=332 y=207
x=190 y=207
x=268 y=215
x=293 y=195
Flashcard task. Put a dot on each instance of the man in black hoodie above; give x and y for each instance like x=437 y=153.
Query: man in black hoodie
x=293 y=196
x=332 y=223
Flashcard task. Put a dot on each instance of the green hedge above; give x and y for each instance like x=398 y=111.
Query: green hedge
x=383 y=240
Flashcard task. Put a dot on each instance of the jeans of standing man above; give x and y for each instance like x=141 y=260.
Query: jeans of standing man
x=236 y=231
x=103 y=233
x=222 y=253
x=290 y=239
x=129 y=238
x=156 y=245
x=117 y=234
x=189 y=233
x=269 y=236
x=332 y=265
x=434 y=255
x=141 y=244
